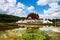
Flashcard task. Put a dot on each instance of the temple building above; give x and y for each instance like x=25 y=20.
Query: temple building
x=33 y=18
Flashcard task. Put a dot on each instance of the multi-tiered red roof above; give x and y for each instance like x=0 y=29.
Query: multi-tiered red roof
x=33 y=16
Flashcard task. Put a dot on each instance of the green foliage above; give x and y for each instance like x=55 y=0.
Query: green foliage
x=53 y=20
x=56 y=22
x=8 y=26
x=5 y=18
x=35 y=36
x=49 y=32
x=32 y=34
x=35 y=22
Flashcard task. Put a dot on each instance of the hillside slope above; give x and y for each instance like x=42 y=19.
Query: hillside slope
x=4 y=18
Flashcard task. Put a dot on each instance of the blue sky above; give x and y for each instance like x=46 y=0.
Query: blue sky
x=45 y=8
x=39 y=9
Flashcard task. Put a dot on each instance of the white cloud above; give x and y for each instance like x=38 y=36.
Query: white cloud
x=20 y=5
x=44 y=2
x=10 y=7
x=6 y=5
x=12 y=1
x=56 y=14
x=53 y=5
x=17 y=12
x=31 y=8
x=2 y=1
x=41 y=2
x=53 y=11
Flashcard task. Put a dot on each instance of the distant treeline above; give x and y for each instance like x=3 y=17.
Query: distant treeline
x=54 y=20
x=5 y=18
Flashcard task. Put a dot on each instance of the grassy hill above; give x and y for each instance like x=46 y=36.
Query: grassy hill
x=5 y=18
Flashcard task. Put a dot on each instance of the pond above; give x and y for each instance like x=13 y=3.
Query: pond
x=49 y=32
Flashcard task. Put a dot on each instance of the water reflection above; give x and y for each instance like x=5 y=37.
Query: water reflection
x=52 y=28
x=16 y=34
